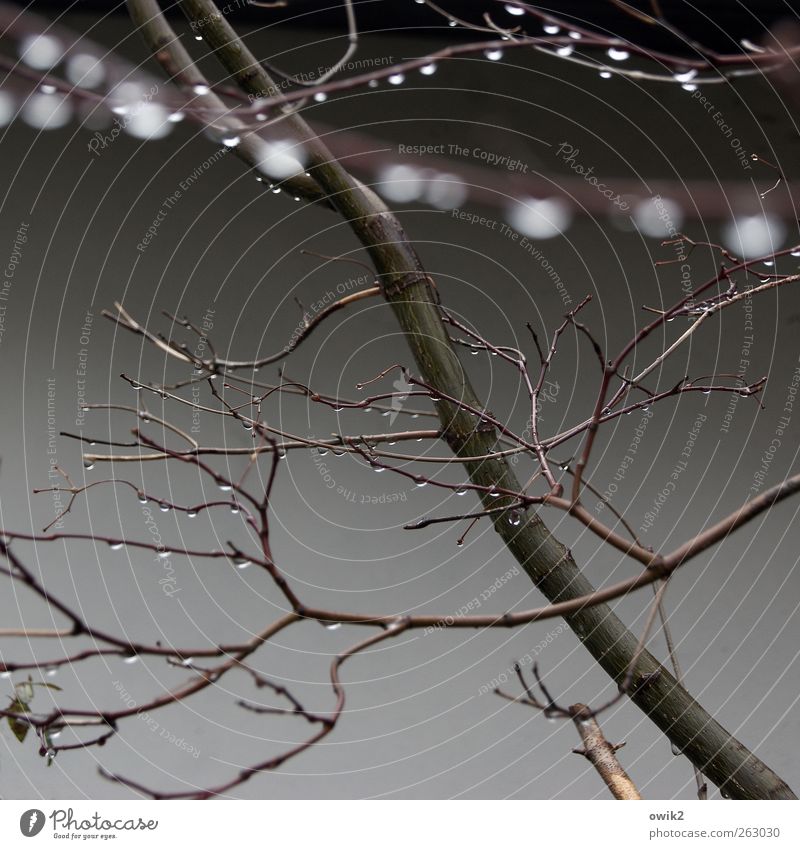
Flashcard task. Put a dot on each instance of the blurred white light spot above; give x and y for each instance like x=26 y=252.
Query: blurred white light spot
x=428 y=70
x=401 y=183
x=493 y=55
x=564 y=51
x=606 y=75
x=445 y=191
x=396 y=79
x=658 y=220
x=540 y=219
x=40 y=51
x=754 y=235
x=46 y=111
x=618 y=55
x=7 y=108
x=514 y=10
x=320 y=97
x=552 y=29
x=148 y=121
x=201 y=89
x=85 y=71
x=282 y=160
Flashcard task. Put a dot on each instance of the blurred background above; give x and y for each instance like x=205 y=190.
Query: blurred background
x=508 y=133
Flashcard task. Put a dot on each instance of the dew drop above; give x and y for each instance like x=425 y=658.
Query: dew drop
x=494 y=494
x=552 y=29
x=51 y=672
x=686 y=76
x=234 y=508
x=421 y=482
x=576 y=35
x=462 y=490
x=397 y=79
x=176 y=117
x=675 y=749
x=606 y=75
x=191 y=513
x=566 y=50
x=224 y=487
x=320 y=97
x=795 y=253
x=116 y=546
x=131 y=659
x=493 y=55
x=142 y=497
x=322 y=451
x=165 y=554
x=428 y=70
x=164 y=507
x=689 y=87
x=188 y=662
x=333 y=626
x=617 y=54
x=201 y=89
x=378 y=469
x=514 y=10
x=373 y=83
x=47 y=89
x=241 y=562
x=231 y=141
x=88 y=465
x=515 y=518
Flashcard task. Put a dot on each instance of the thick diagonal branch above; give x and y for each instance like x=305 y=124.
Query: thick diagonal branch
x=550 y=565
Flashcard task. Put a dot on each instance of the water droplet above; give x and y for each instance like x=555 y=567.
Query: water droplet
x=795 y=253
x=474 y=352
x=320 y=97
x=462 y=490
x=136 y=385
x=575 y=35
x=224 y=487
x=617 y=54
x=231 y=141
x=606 y=75
x=459 y=542
x=50 y=754
x=164 y=507
x=281 y=453
x=241 y=562
x=397 y=79
x=428 y=70
x=373 y=83
x=566 y=50
x=201 y=89
x=47 y=89
x=116 y=546
x=676 y=750
x=494 y=494
x=689 y=87
x=493 y=55
x=378 y=469
x=234 y=508
x=552 y=29
x=514 y=10
x=88 y=465
x=188 y=662
x=176 y=117
x=191 y=513
x=322 y=451
x=333 y=626
x=142 y=497
x=131 y=659
x=421 y=482
x=515 y=518
x=686 y=76
x=164 y=554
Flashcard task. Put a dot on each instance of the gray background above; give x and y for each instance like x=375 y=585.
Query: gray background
x=415 y=724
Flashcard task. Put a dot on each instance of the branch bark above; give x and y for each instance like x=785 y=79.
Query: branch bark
x=550 y=565
x=602 y=755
